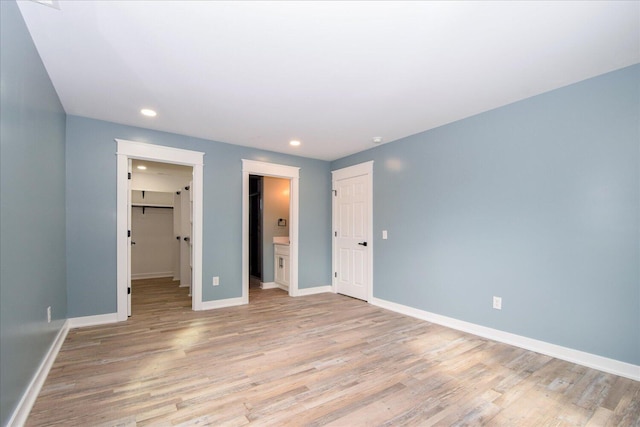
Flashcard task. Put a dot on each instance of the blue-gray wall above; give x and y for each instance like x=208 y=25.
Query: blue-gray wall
x=537 y=202
x=91 y=213
x=32 y=234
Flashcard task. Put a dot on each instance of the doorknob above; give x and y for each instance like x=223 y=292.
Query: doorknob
x=133 y=243
x=186 y=239
x=363 y=243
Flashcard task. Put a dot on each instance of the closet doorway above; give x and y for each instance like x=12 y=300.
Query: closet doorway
x=161 y=223
x=127 y=151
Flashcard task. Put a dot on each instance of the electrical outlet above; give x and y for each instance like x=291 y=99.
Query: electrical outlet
x=216 y=281
x=49 y=314
x=384 y=234
x=497 y=303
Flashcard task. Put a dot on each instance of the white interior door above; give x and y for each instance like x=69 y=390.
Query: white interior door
x=129 y=169
x=185 y=239
x=176 y=232
x=352 y=233
x=190 y=243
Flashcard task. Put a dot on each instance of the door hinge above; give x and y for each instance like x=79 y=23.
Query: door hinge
x=128 y=233
x=129 y=291
x=335 y=234
x=335 y=192
x=335 y=274
x=128 y=175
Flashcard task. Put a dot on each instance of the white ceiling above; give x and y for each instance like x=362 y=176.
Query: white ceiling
x=331 y=74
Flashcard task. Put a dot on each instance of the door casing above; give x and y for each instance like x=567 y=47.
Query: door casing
x=362 y=169
x=158 y=153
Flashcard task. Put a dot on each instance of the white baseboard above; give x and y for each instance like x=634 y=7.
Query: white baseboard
x=157 y=275
x=19 y=417
x=589 y=360
x=222 y=303
x=314 y=290
x=100 y=319
x=273 y=285
x=268 y=285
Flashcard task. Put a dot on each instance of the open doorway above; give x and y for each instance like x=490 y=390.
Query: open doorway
x=291 y=175
x=161 y=218
x=127 y=151
x=269 y=244
x=255 y=231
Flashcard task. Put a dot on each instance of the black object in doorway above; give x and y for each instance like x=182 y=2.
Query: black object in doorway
x=255 y=226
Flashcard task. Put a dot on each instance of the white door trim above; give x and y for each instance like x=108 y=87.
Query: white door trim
x=138 y=150
x=360 y=169
x=252 y=167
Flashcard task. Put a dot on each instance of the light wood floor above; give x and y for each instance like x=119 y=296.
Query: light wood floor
x=317 y=360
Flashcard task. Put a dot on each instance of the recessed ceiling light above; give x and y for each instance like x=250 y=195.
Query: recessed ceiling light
x=142 y=167
x=147 y=112
x=377 y=139
x=294 y=143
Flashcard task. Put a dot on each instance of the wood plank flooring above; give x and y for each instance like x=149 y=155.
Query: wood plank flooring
x=316 y=360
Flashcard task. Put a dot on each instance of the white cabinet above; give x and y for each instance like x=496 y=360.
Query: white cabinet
x=281 y=266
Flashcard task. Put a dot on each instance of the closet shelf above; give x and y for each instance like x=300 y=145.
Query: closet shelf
x=145 y=206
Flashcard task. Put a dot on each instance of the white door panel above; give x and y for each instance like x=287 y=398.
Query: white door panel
x=185 y=238
x=190 y=243
x=344 y=272
x=129 y=290
x=177 y=229
x=359 y=275
x=351 y=236
x=359 y=221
